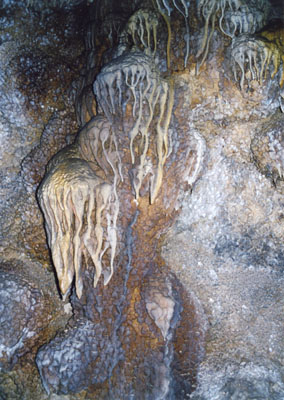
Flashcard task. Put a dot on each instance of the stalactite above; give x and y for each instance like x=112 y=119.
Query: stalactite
x=183 y=9
x=69 y=196
x=165 y=104
x=167 y=21
x=255 y=55
x=142 y=25
x=134 y=75
x=239 y=17
x=244 y=20
x=129 y=70
x=97 y=144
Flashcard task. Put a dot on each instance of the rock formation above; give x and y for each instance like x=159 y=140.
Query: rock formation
x=150 y=134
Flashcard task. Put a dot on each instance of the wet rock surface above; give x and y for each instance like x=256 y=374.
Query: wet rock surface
x=205 y=320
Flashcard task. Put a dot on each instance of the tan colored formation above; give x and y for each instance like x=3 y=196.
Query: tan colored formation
x=142 y=26
x=78 y=195
x=239 y=16
x=255 y=55
x=133 y=79
x=80 y=210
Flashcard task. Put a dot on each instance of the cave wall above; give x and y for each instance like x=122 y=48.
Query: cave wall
x=194 y=306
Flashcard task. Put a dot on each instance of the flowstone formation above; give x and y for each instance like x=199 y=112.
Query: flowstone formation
x=69 y=195
x=71 y=191
x=163 y=213
x=101 y=197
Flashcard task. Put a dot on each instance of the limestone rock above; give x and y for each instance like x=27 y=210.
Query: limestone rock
x=194 y=308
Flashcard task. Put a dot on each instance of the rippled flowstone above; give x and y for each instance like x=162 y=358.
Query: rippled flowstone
x=21 y=317
x=82 y=356
x=25 y=316
x=103 y=356
x=30 y=315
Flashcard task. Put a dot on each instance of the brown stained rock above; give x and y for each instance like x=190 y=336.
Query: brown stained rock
x=135 y=350
x=135 y=341
x=143 y=334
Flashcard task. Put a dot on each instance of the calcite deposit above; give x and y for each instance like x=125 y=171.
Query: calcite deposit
x=142 y=232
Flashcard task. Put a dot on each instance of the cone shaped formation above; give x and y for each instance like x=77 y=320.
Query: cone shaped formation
x=80 y=208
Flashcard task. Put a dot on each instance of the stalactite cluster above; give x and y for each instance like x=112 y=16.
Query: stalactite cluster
x=142 y=27
x=81 y=208
x=78 y=195
x=257 y=55
x=132 y=79
x=254 y=53
x=235 y=17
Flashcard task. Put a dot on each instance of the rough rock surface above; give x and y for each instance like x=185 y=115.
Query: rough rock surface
x=19 y=318
x=36 y=74
x=226 y=245
x=195 y=305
